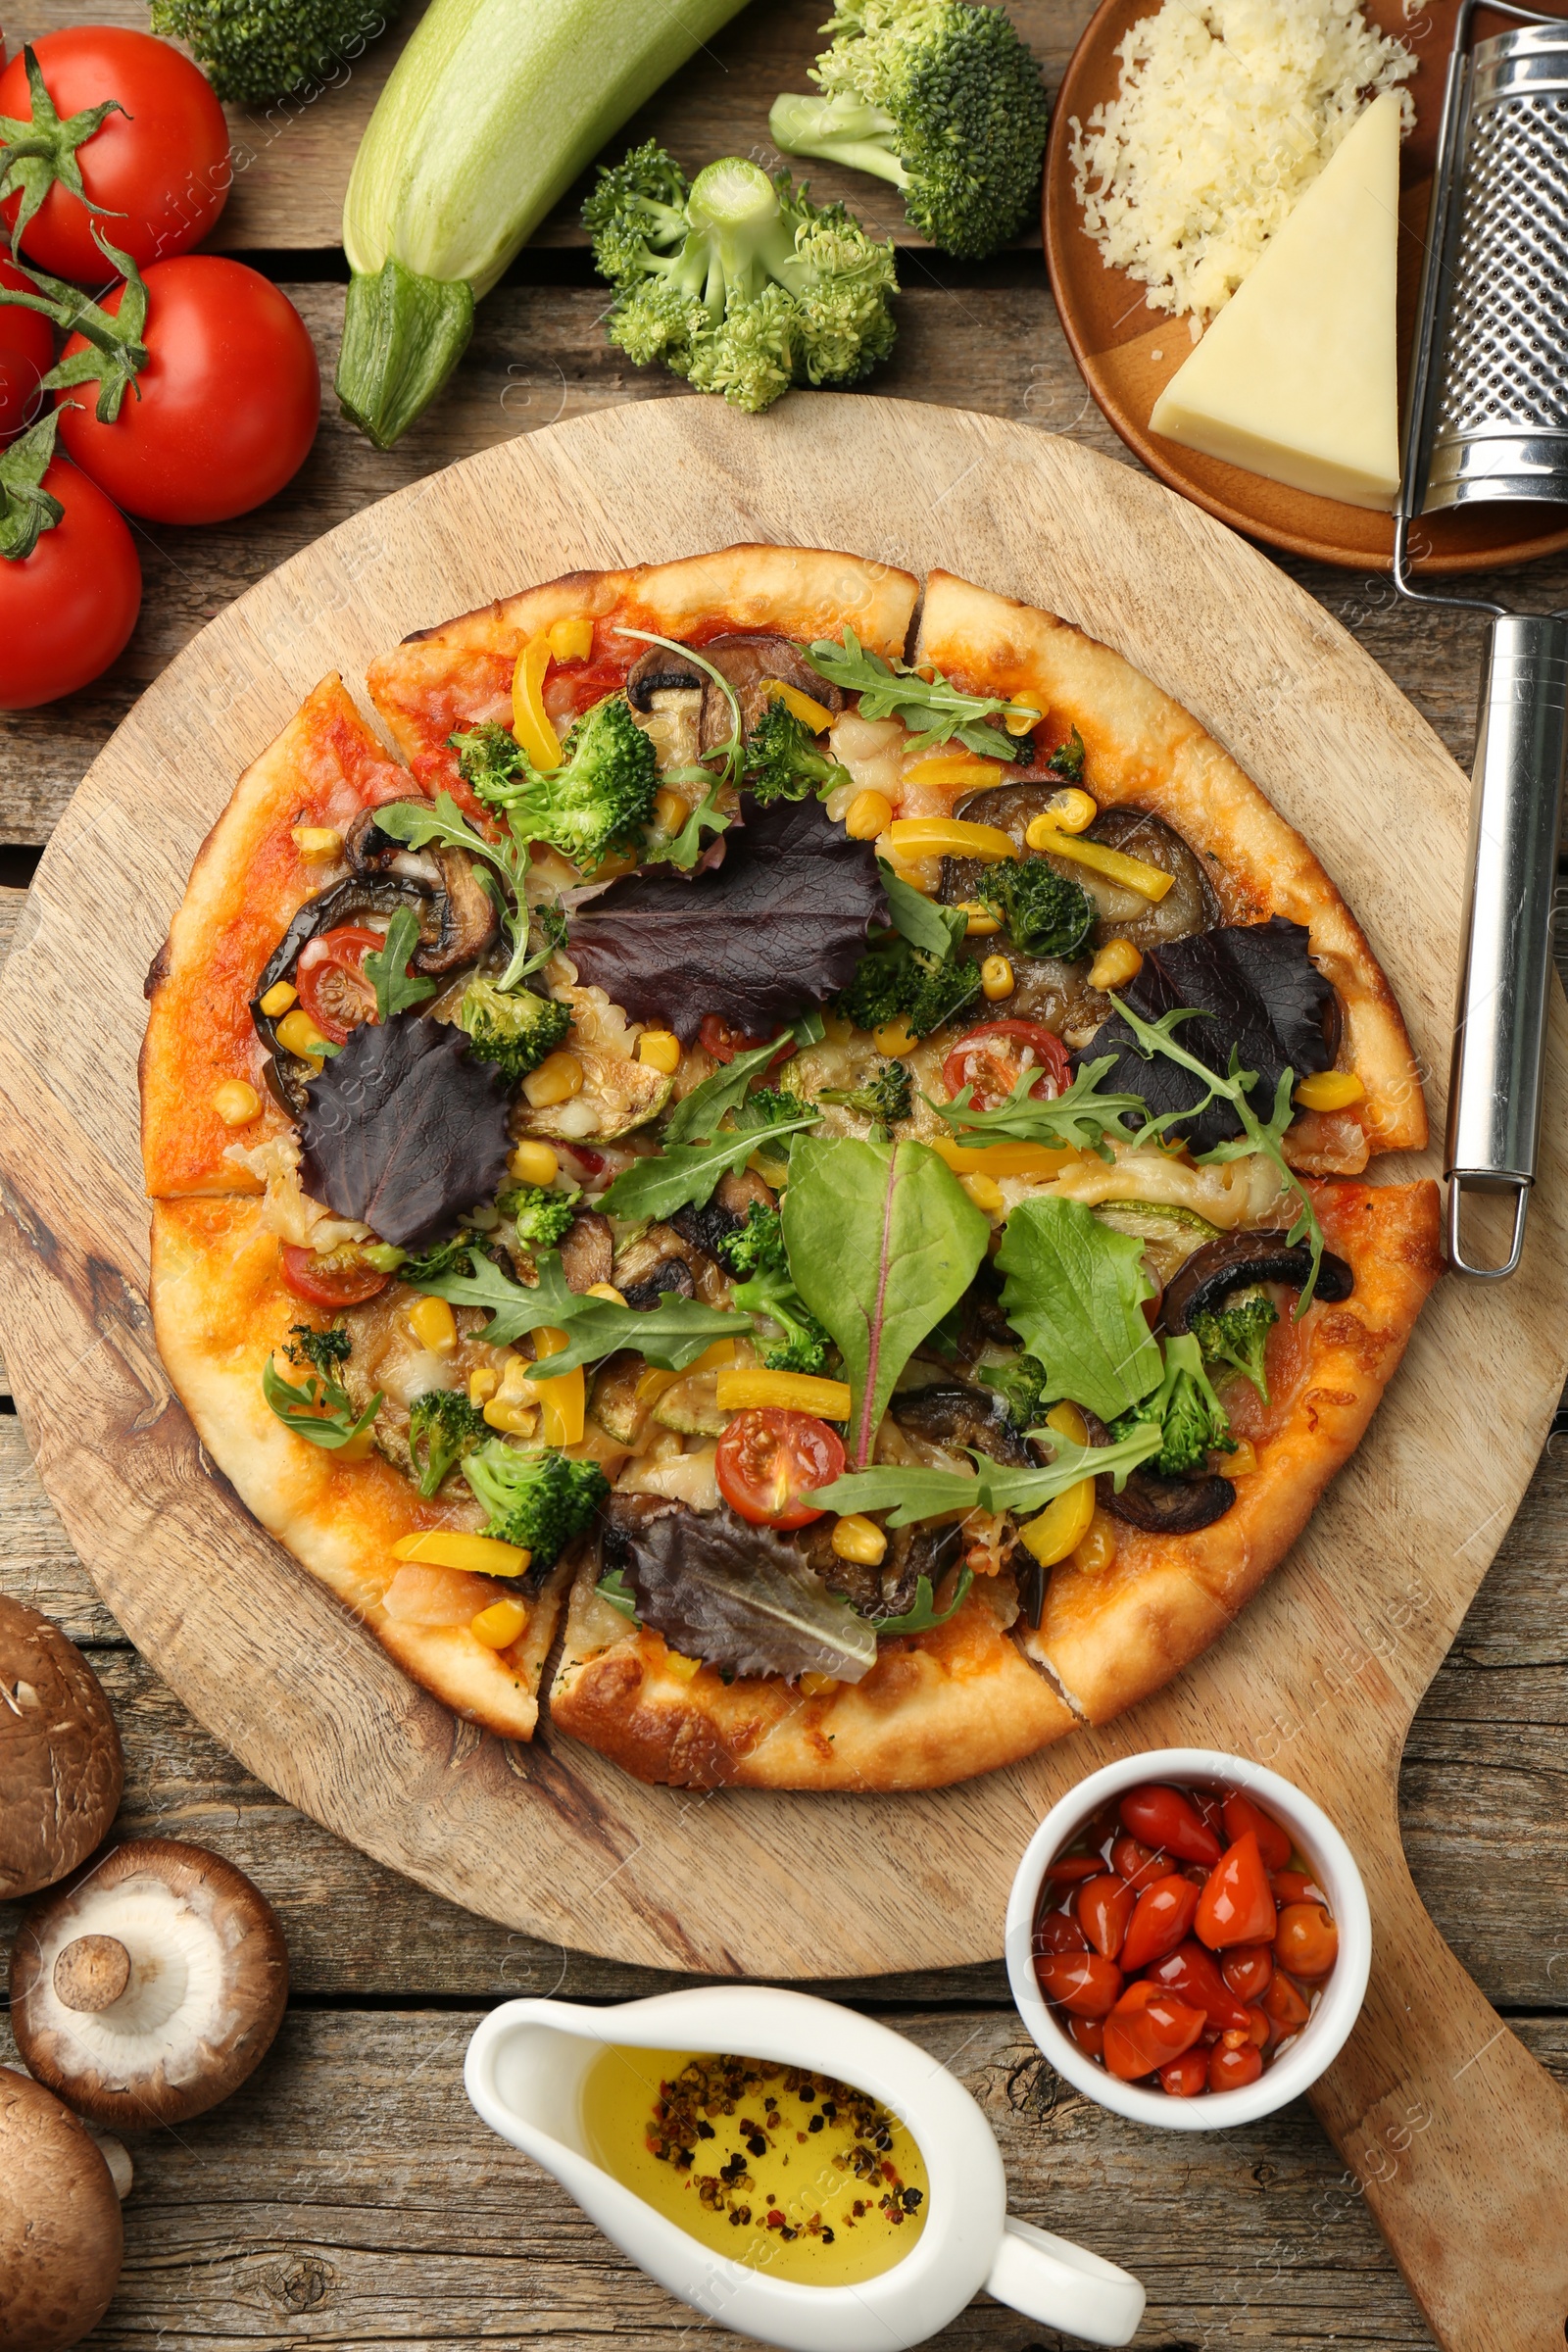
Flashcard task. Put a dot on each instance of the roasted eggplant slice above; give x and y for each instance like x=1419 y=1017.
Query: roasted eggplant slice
x=1238 y=1261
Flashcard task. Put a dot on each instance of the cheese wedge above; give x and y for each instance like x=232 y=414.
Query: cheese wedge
x=1296 y=379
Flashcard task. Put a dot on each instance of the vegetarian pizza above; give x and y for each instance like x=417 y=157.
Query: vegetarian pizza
x=793 y=1157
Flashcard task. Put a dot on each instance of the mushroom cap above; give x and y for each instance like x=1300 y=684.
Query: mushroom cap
x=61 y=2237
x=61 y=1766
x=207 y=1986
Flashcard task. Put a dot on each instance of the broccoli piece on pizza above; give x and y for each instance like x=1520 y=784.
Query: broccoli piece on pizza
x=540 y=1215
x=1019 y=1383
x=594 y=802
x=323 y=1350
x=927 y=990
x=1046 y=913
x=443 y=1427
x=885 y=1098
x=757 y=1253
x=538 y=1500
x=1192 y=1422
x=1238 y=1335
x=511 y=1027
x=784 y=763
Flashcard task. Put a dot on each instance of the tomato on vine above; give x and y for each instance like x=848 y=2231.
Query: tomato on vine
x=69 y=581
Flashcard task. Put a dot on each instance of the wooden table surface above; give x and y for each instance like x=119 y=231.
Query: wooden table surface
x=348 y=2195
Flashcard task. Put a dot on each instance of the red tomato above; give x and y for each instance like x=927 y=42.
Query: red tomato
x=994 y=1057
x=1247 y=1970
x=1210 y=1811
x=1085 y=1982
x=1241 y=1815
x=1105 y=1905
x=230 y=395
x=1139 y=1864
x=27 y=352
x=581 y=684
x=1185 y=2076
x=67 y=609
x=162 y=165
x=1075 y=1866
x=1233 y=2069
x=1148 y=2027
x=1191 y=1974
x=1237 y=1904
x=1286 y=2005
x=1306 y=1940
x=1296 y=1886
x=331 y=983
x=1162 y=1918
x=1059 y=1932
x=769 y=1461
x=339 y=1278
x=1089 y=2032
x=718 y=1039
x=1166 y=1817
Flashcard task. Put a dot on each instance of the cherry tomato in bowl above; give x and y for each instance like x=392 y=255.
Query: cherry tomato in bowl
x=331 y=983
x=225 y=409
x=769 y=1461
x=995 y=1056
x=67 y=608
x=337 y=1278
x=156 y=169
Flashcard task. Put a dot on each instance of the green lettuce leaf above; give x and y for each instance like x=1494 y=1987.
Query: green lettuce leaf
x=1074 y=1295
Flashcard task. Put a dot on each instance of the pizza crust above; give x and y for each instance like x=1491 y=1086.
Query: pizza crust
x=247 y=883
x=459 y=675
x=219 y=1309
x=1144 y=747
x=1112 y=1637
x=936 y=1707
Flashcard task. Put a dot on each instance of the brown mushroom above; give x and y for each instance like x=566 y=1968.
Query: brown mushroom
x=61 y=2236
x=1239 y=1261
x=587 y=1250
x=466 y=916
x=746 y=662
x=60 y=1767
x=147 y=1989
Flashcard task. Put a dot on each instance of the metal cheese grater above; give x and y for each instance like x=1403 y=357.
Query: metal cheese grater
x=1488 y=419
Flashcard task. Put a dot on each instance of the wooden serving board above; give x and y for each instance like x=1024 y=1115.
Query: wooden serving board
x=1455 y=2136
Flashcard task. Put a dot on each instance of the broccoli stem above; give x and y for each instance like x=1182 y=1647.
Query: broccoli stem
x=836 y=131
x=734 y=203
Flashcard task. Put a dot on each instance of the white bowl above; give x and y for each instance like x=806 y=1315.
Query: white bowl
x=1325 y=2032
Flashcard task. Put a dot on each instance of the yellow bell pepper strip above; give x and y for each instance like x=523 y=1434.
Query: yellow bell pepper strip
x=792 y=1392
x=1329 y=1090
x=953 y=837
x=571 y=640
x=1062 y=1525
x=955 y=769
x=1000 y=1159
x=804 y=707
x=530 y=720
x=563 y=1401
x=477 y=1556
x=1133 y=873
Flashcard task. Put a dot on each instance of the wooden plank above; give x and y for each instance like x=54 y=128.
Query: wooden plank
x=540 y=358
x=348 y=2195
x=292 y=160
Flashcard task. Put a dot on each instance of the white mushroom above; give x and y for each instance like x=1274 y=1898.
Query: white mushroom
x=61 y=2239
x=61 y=1768
x=146 y=1989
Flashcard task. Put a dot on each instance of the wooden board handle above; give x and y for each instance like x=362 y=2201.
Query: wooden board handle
x=1455 y=2136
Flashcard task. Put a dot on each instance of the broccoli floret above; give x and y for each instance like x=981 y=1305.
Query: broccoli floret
x=255 y=50
x=593 y=803
x=1238 y=1335
x=322 y=1351
x=448 y=1427
x=886 y=1098
x=771 y=1106
x=756 y=1253
x=512 y=1027
x=1192 y=1421
x=1067 y=759
x=940 y=98
x=541 y=1215
x=927 y=990
x=738 y=282
x=783 y=763
x=540 y=1500
x=451 y=1256
x=1018 y=1384
x=1046 y=913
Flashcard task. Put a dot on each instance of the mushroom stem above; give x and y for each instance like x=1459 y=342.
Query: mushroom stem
x=93 y=1973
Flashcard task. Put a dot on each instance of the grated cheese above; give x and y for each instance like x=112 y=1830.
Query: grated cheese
x=1227 y=109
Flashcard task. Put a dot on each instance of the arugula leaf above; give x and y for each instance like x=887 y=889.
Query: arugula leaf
x=919 y=919
x=908 y=1494
x=684 y=848
x=317 y=1407
x=671 y=1334
x=1258 y=1135
x=615 y=1588
x=699 y=1114
x=921 y=1614
x=1074 y=1295
x=882 y=1239
x=933 y=708
x=1079 y=1119
x=684 y=1175
x=387 y=968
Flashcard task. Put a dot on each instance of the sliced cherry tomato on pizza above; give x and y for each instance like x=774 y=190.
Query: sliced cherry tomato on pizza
x=1164 y=1817
x=771 y=1461
x=1241 y=1815
x=722 y=1043
x=1148 y=2027
x=1086 y=1983
x=1163 y=1914
x=330 y=978
x=1306 y=1940
x=1105 y=1905
x=995 y=1056
x=1237 y=1904
x=337 y=1278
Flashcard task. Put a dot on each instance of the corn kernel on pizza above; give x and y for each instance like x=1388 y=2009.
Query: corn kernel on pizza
x=798 y=1170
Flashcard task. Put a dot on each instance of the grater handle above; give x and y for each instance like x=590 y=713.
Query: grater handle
x=1505 y=946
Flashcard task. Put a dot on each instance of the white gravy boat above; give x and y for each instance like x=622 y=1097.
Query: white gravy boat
x=525 y=2074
